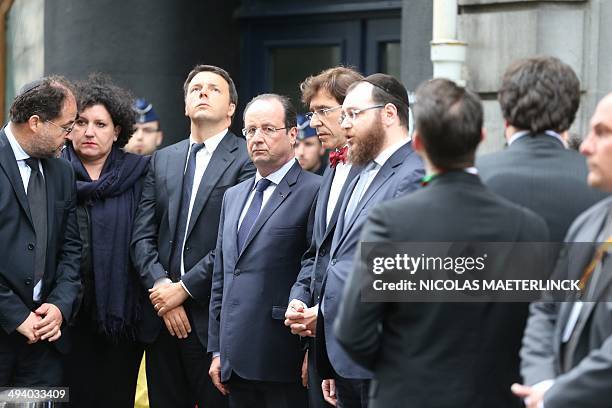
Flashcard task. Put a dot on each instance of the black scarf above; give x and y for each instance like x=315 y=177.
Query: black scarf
x=112 y=201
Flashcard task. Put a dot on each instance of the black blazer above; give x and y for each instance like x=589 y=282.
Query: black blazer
x=250 y=288
x=436 y=355
x=307 y=287
x=61 y=281
x=541 y=174
x=156 y=222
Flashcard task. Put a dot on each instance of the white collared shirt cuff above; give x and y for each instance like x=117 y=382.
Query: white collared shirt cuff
x=216 y=354
x=186 y=290
x=543 y=386
x=160 y=281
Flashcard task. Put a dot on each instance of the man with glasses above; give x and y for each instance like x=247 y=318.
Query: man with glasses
x=440 y=354
x=175 y=232
x=264 y=230
x=39 y=241
x=375 y=117
x=324 y=94
x=147 y=132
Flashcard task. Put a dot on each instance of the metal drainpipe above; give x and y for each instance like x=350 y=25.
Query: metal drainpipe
x=447 y=52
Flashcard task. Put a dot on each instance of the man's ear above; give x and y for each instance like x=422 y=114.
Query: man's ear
x=483 y=135
x=160 y=137
x=389 y=112
x=293 y=136
x=34 y=121
x=232 y=109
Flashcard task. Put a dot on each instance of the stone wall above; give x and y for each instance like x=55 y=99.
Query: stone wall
x=500 y=31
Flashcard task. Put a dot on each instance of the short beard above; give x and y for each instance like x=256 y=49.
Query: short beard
x=367 y=144
x=42 y=146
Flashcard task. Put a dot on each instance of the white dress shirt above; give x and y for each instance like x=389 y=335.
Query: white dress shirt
x=202 y=159
x=275 y=179
x=340 y=176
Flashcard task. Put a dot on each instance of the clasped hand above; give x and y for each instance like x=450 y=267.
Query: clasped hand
x=42 y=324
x=167 y=296
x=167 y=299
x=302 y=320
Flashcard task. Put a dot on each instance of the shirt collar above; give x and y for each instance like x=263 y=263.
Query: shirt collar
x=18 y=151
x=522 y=133
x=278 y=175
x=382 y=158
x=212 y=142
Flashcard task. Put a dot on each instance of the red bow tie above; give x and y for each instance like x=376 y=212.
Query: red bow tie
x=337 y=156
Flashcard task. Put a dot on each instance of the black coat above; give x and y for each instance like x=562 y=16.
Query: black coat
x=61 y=281
x=156 y=222
x=541 y=174
x=437 y=355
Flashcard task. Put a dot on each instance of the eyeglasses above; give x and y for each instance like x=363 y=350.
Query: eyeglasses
x=66 y=129
x=352 y=114
x=266 y=130
x=321 y=112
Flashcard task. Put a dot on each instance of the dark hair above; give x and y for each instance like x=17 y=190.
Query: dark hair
x=288 y=108
x=44 y=97
x=99 y=90
x=539 y=94
x=215 y=70
x=449 y=120
x=333 y=80
x=386 y=89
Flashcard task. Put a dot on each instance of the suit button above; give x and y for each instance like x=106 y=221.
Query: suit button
x=187 y=249
x=28 y=282
x=333 y=261
x=30 y=246
x=322 y=252
x=237 y=272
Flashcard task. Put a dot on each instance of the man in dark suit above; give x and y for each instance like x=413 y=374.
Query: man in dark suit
x=265 y=228
x=39 y=240
x=375 y=117
x=175 y=235
x=539 y=98
x=567 y=347
x=439 y=355
x=324 y=94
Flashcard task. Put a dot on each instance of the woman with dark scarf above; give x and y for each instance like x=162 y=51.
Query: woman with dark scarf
x=102 y=367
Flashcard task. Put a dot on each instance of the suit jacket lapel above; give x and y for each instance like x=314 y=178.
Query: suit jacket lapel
x=9 y=164
x=233 y=211
x=282 y=191
x=221 y=159
x=334 y=218
x=387 y=170
x=175 y=170
x=322 y=200
x=589 y=233
x=50 y=175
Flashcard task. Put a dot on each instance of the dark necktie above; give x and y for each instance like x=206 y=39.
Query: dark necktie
x=251 y=215
x=37 y=200
x=181 y=227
